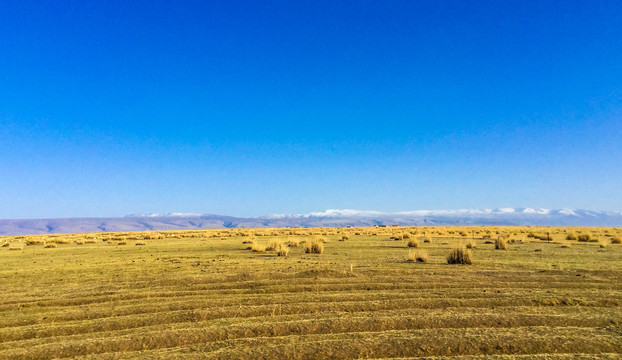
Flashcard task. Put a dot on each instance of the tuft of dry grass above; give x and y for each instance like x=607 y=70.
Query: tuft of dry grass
x=140 y=243
x=322 y=239
x=418 y=256
x=413 y=243
x=571 y=236
x=470 y=244
x=344 y=238
x=616 y=240
x=258 y=248
x=314 y=247
x=501 y=244
x=293 y=243
x=459 y=256
x=61 y=241
x=50 y=245
x=122 y=243
x=585 y=238
x=274 y=245
x=282 y=251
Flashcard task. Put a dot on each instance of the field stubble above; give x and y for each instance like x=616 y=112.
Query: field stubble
x=206 y=294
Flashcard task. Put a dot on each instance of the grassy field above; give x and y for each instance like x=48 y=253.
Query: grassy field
x=553 y=293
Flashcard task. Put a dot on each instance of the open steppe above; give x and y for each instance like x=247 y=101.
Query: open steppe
x=553 y=293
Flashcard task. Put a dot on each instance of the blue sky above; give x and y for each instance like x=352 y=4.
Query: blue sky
x=252 y=108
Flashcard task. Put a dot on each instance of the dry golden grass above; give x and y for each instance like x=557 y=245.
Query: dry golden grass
x=413 y=243
x=314 y=247
x=501 y=244
x=586 y=238
x=258 y=248
x=282 y=251
x=274 y=245
x=418 y=256
x=198 y=294
x=459 y=256
x=34 y=242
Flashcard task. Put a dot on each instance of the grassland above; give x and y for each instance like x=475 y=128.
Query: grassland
x=228 y=294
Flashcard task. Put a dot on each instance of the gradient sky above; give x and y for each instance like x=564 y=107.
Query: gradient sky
x=251 y=108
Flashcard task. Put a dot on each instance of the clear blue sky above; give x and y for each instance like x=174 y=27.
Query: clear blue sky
x=251 y=108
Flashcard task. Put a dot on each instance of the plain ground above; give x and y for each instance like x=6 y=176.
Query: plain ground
x=205 y=294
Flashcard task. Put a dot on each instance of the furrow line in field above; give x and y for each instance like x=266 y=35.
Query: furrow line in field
x=395 y=339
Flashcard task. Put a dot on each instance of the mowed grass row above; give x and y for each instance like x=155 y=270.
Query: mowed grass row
x=207 y=294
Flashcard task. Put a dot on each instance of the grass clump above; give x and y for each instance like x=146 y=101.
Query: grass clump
x=501 y=244
x=413 y=243
x=282 y=251
x=140 y=243
x=344 y=238
x=418 y=256
x=50 y=245
x=293 y=243
x=586 y=238
x=571 y=236
x=321 y=239
x=459 y=256
x=470 y=244
x=274 y=245
x=616 y=240
x=258 y=248
x=314 y=247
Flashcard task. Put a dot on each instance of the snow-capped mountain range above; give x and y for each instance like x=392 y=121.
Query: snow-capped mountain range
x=461 y=212
x=332 y=217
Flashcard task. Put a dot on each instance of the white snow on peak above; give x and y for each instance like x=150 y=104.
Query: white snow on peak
x=420 y=213
x=345 y=213
x=538 y=211
x=568 y=212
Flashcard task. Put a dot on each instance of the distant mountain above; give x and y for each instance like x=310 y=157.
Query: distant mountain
x=345 y=217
